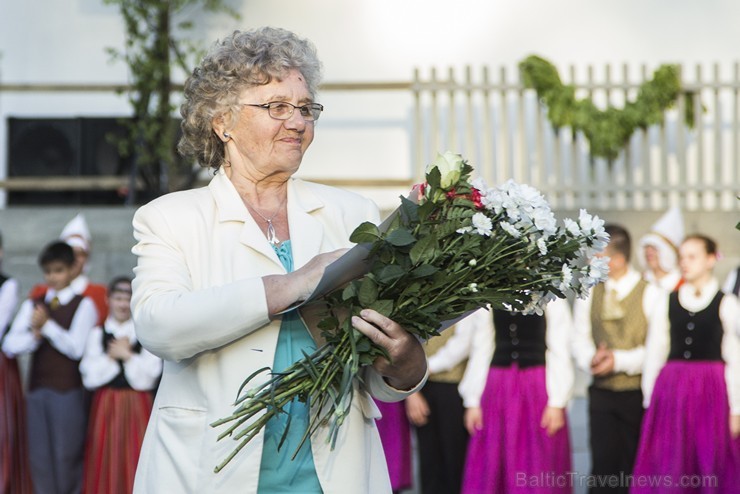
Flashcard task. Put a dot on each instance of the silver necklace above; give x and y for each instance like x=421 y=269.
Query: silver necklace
x=271 y=235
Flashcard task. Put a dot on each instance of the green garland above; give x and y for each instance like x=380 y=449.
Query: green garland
x=607 y=131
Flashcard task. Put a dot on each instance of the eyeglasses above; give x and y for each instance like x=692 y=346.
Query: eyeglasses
x=282 y=110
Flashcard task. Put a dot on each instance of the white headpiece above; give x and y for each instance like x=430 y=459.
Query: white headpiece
x=666 y=236
x=76 y=233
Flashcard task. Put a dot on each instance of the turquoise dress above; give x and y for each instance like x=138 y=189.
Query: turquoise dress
x=278 y=474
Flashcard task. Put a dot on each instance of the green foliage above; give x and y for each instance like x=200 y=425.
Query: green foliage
x=609 y=130
x=156 y=42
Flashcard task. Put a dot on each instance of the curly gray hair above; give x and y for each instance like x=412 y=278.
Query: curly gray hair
x=244 y=59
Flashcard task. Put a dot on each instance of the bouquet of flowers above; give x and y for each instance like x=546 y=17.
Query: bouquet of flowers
x=452 y=247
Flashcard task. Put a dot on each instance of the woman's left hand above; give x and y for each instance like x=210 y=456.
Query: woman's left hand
x=408 y=363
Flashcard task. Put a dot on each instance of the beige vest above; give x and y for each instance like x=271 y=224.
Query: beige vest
x=432 y=346
x=622 y=326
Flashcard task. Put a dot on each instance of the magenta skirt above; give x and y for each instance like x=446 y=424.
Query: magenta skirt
x=395 y=434
x=685 y=443
x=512 y=453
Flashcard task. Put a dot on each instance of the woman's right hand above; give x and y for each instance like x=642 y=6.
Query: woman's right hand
x=282 y=291
x=308 y=276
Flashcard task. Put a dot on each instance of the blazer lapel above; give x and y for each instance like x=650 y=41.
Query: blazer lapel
x=306 y=232
x=231 y=208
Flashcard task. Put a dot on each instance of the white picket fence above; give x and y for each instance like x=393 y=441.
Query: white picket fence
x=502 y=127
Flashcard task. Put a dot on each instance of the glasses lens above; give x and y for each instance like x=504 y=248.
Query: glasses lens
x=312 y=111
x=281 y=111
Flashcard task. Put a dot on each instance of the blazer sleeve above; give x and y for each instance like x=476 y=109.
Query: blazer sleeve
x=170 y=314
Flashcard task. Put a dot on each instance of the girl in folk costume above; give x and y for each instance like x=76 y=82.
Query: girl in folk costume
x=519 y=434
x=438 y=410
x=691 y=384
x=658 y=253
x=15 y=474
x=395 y=434
x=123 y=375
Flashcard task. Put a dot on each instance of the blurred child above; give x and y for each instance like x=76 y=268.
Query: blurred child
x=395 y=435
x=658 y=253
x=610 y=328
x=437 y=410
x=77 y=235
x=54 y=328
x=691 y=383
x=123 y=375
x=15 y=475
x=519 y=432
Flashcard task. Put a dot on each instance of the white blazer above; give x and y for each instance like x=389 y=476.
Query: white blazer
x=199 y=304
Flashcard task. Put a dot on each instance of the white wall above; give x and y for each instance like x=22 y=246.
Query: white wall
x=361 y=135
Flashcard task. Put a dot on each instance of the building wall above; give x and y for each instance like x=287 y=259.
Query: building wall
x=365 y=135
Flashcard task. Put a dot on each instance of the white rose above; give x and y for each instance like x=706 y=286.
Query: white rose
x=450 y=166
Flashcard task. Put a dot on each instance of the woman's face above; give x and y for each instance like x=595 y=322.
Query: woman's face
x=263 y=145
x=694 y=260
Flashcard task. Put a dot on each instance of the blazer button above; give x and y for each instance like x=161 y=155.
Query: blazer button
x=512 y=327
x=515 y=341
x=514 y=355
x=689 y=341
x=690 y=326
x=687 y=354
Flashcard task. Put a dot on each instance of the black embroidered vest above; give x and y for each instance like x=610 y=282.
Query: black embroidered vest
x=519 y=339
x=695 y=335
x=120 y=381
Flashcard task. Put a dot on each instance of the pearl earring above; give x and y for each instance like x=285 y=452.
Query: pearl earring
x=227 y=135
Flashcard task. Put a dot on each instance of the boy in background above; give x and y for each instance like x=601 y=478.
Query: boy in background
x=54 y=328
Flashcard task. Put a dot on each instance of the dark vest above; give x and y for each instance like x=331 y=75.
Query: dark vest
x=120 y=381
x=50 y=368
x=519 y=339
x=695 y=335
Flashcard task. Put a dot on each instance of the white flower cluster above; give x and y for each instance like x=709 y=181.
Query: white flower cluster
x=528 y=216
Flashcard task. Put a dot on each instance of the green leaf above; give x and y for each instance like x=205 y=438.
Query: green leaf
x=368 y=292
x=424 y=249
x=409 y=210
x=349 y=291
x=400 y=237
x=424 y=270
x=367 y=232
x=389 y=274
x=434 y=177
x=385 y=307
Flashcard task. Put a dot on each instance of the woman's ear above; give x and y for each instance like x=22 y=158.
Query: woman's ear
x=218 y=124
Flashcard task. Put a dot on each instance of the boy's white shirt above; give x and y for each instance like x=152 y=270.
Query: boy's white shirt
x=97 y=368
x=70 y=343
x=659 y=342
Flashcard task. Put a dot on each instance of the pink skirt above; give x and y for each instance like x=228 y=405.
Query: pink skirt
x=118 y=420
x=685 y=443
x=15 y=472
x=395 y=434
x=512 y=453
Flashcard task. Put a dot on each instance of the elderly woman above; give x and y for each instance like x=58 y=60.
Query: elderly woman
x=217 y=265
